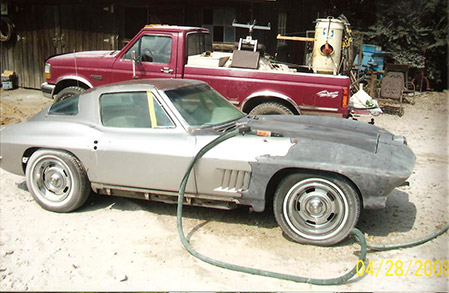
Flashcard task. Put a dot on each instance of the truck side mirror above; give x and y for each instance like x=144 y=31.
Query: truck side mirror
x=133 y=57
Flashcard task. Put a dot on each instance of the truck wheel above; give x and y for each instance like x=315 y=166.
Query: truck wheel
x=316 y=209
x=271 y=108
x=57 y=180
x=68 y=92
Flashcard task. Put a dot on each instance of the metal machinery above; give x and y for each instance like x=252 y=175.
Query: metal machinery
x=327 y=45
x=247 y=58
x=387 y=82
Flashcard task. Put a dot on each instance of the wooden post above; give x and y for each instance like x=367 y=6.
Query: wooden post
x=301 y=39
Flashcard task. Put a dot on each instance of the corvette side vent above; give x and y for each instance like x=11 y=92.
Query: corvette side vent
x=234 y=180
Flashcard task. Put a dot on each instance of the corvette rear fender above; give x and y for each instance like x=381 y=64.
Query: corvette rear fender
x=30 y=151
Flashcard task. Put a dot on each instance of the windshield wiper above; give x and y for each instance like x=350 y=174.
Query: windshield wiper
x=227 y=125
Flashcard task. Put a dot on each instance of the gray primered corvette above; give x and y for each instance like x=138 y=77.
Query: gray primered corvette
x=136 y=139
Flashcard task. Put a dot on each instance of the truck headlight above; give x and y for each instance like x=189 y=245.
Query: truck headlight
x=47 y=71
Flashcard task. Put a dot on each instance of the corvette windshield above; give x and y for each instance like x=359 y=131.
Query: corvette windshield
x=202 y=106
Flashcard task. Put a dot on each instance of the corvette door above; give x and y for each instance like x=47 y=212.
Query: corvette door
x=141 y=147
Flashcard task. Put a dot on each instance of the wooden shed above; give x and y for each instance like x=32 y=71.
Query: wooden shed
x=41 y=29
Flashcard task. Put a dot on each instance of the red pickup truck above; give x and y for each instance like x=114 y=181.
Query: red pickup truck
x=179 y=52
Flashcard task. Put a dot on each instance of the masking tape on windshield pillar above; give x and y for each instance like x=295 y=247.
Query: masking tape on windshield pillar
x=151 y=109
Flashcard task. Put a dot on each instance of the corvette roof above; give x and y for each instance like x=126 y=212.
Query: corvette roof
x=157 y=83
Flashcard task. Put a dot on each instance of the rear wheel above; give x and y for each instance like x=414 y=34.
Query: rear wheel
x=271 y=108
x=316 y=209
x=57 y=180
x=68 y=92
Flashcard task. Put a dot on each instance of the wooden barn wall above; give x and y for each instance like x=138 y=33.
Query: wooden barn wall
x=42 y=31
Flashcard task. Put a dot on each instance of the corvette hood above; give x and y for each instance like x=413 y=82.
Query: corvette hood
x=326 y=129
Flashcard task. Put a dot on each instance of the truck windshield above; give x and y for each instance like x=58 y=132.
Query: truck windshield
x=202 y=106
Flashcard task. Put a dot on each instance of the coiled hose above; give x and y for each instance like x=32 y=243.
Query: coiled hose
x=333 y=281
x=9 y=29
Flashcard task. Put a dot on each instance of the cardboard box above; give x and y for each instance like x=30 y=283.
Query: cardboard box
x=9 y=80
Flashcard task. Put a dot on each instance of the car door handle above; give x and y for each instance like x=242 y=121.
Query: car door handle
x=167 y=70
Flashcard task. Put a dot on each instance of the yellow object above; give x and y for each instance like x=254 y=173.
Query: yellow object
x=8 y=73
x=151 y=109
x=157 y=24
x=302 y=39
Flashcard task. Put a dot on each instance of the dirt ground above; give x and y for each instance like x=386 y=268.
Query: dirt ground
x=119 y=244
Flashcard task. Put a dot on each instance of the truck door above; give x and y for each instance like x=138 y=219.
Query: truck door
x=155 y=58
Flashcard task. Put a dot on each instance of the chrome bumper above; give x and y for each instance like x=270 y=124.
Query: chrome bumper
x=47 y=90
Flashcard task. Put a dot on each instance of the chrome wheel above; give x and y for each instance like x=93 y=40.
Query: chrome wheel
x=52 y=179
x=57 y=180
x=315 y=208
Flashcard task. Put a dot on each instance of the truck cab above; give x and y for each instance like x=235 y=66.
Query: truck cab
x=159 y=51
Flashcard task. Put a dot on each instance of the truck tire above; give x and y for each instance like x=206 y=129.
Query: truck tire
x=270 y=108
x=68 y=92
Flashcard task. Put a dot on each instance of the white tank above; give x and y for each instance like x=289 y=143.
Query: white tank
x=327 y=45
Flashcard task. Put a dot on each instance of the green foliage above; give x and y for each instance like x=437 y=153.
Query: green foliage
x=414 y=32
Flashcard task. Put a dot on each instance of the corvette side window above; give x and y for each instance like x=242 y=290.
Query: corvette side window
x=133 y=110
x=65 y=107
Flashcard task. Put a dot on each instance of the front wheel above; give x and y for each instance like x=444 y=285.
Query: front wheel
x=316 y=209
x=57 y=180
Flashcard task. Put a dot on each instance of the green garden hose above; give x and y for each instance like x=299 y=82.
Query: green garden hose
x=408 y=244
x=333 y=281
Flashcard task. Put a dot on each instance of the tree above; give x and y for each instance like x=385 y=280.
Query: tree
x=415 y=32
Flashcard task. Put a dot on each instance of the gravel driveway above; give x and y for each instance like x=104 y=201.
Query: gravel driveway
x=118 y=244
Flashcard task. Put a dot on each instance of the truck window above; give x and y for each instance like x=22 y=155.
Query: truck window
x=198 y=43
x=151 y=49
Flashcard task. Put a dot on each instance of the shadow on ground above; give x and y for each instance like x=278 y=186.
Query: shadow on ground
x=241 y=215
x=398 y=216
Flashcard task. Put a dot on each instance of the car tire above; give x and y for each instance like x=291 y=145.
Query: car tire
x=57 y=180
x=271 y=108
x=68 y=92
x=316 y=208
